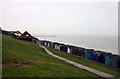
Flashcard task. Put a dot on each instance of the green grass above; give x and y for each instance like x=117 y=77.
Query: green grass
x=0 y=55
x=89 y=63
x=26 y=59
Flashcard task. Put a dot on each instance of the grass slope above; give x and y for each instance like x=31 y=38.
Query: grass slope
x=0 y=55
x=25 y=59
x=88 y=63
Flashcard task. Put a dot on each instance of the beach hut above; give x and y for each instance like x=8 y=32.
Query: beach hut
x=74 y=50
x=65 y=48
x=87 y=53
x=97 y=56
x=102 y=58
x=108 y=58
x=57 y=46
x=62 y=47
x=80 y=51
x=71 y=50
x=118 y=64
x=26 y=37
x=45 y=43
x=68 y=49
x=92 y=54
x=51 y=45
x=115 y=62
x=54 y=43
x=42 y=43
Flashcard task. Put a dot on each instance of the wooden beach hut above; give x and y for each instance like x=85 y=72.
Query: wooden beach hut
x=44 y=43
x=62 y=47
x=80 y=51
x=68 y=49
x=65 y=48
x=51 y=45
x=92 y=54
x=54 y=43
x=72 y=50
x=96 y=56
x=115 y=62
x=57 y=46
x=118 y=64
x=76 y=50
x=102 y=58
x=87 y=53
x=108 y=59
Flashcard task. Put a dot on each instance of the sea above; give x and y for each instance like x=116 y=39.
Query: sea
x=107 y=44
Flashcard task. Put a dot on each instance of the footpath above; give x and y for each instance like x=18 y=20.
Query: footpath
x=99 y=73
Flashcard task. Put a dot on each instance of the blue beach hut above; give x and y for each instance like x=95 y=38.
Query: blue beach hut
x=102 y=58
x=96 y=56
x=92 y=54
x=62 y=47
x=65 y=48
x=54 y=43
x=50 y=44
x=87 y=53
x=43 y=42
x=108 y=58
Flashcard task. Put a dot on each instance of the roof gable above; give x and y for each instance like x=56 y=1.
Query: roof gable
x=26 y=34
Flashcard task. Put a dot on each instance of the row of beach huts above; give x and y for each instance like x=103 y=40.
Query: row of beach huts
x=91 y=54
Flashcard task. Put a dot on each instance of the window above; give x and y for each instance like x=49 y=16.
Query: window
x=27 y=35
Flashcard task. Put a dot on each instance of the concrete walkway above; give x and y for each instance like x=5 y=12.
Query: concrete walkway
x=99 y=73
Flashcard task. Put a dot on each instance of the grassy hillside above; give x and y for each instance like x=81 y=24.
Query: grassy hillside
x=88 y=63
x=25 y=59
x=0 y=55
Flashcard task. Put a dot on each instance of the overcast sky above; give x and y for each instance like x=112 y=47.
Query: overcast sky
x=60 y=17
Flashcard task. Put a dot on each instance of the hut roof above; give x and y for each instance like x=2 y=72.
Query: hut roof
x=25 y=35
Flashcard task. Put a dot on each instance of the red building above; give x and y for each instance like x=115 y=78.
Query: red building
x=26 y=36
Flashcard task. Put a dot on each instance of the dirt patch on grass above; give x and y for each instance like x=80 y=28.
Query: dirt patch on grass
x=46 y=62
x=16 y=63
x=23 y=63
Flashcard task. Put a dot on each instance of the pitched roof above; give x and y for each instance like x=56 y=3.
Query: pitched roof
x=26 y=35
